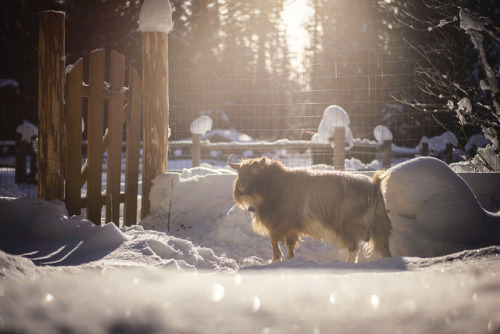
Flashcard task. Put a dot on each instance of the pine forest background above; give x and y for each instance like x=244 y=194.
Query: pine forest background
x=397 y=63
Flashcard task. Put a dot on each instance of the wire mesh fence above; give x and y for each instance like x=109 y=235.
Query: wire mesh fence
x=18 y=131
x=273 y=105
x=286 y=98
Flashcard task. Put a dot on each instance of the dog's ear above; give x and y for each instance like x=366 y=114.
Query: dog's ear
x=262 y=161
x=234 y=166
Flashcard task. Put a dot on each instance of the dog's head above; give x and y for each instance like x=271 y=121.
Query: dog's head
x=249 y=172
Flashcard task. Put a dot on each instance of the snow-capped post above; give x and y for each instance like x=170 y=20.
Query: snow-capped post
x=384 y=137
x=448 y=153
x=155 y=21
x=339 y=149
x=386 y=154
x=51 y=64
x=196 y=155
x=198 y=128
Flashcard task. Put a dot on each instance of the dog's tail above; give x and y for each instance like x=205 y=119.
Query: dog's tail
x=382 y=227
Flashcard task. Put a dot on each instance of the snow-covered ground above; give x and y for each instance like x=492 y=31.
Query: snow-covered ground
x=206 y=271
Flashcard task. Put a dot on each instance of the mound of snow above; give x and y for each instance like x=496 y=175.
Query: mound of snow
x=382 y=133
x=434 y=212
x=438 y=143
x=333 y=117
x=201 y=125
x=27 y=131
x=432 y=209
x=477 y=164
x=477 y=140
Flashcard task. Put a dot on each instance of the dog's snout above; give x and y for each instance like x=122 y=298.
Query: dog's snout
x=242 y=186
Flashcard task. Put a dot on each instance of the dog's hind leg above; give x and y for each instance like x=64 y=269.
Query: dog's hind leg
x=277 y=255
x=291 y=242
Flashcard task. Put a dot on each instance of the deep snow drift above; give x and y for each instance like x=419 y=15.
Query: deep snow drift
x=210 y=273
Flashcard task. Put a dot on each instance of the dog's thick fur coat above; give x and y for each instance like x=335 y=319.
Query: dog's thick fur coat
x=343 y=208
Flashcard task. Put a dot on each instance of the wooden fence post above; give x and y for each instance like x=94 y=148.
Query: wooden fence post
x=21 y=150
x=155 y=110
x=51 y=67
x=339 y=149
x=196 y=154
x=424 y=151
x=386 y=154
x=448 y=153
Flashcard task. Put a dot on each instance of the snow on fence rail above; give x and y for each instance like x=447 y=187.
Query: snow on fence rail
x=387 y=149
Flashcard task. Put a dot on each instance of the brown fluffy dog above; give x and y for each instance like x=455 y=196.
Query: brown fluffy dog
x=332 y=206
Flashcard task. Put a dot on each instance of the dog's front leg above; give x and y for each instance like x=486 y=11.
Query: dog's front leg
x=352 y=257
x=276 y=250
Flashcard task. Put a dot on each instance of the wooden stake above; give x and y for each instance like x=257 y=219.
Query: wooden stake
x=51 y=67
x=386 y=154
x=155 y=110
x=196 y=154
x=339 y=149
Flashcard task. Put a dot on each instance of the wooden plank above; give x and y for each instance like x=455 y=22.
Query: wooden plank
x=51 y=64
x=115 y=126
x=94 y=134
x=85 y=167
x=133 y=147
x=155 y=110
x=73 y=138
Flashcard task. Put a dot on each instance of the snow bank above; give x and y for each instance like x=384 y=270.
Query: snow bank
x=434 y=212
x=438 y=143
x=476 y=164
x=9 y=188
x=210 y=272
x=272 y=301
x=476 y=141
x=44 y=230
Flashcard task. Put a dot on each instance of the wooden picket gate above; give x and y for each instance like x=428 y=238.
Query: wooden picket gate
x=100 y=140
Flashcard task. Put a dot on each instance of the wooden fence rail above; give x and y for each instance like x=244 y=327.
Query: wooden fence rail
x=338 y=154
x=97 y=91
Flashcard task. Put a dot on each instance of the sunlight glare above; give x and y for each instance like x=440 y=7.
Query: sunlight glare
x=295 y=14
